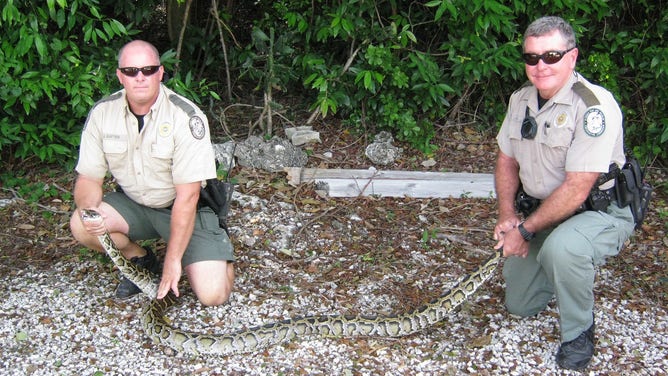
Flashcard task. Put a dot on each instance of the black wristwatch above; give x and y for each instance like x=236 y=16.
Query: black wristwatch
x=527 y=235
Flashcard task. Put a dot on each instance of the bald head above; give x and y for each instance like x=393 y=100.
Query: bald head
x=140 y=73
x=138 y=47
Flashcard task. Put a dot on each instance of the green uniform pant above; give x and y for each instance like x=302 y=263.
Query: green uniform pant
x=561 y=263
x=208 y=240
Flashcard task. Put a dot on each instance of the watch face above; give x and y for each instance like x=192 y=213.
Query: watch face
x=197 y=127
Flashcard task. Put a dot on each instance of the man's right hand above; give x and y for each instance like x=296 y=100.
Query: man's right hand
x=503 y=234
x=94 y=227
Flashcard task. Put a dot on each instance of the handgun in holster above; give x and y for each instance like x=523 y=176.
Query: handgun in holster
x=632 y=189
x=217 y=194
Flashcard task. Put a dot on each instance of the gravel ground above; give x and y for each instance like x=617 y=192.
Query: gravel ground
x=62 y=320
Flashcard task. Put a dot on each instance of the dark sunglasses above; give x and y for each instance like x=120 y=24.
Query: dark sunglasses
x=550 y=57
x=133 y=71
x=529 y=126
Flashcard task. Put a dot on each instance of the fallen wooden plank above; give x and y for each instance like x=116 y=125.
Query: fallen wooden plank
x=417 y=184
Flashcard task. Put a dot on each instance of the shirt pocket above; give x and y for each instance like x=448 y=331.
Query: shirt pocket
x=515 y=131
x=558 y=138
x=115 y=152
x=159 y=166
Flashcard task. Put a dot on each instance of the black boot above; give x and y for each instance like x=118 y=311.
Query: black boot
x=125 y=287
x=577 y=354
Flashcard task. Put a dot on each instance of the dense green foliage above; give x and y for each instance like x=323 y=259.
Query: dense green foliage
x=57 y=58
x=404 y=66
x=421 y=65
x=53 y=63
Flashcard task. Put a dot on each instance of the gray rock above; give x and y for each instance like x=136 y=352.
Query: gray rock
x=272 y=155
x=381 y=151
x=383 y=137
x=225 y=154
x=302 y=135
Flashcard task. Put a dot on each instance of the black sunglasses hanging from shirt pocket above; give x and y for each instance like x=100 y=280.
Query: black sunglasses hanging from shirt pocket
x=529 y=126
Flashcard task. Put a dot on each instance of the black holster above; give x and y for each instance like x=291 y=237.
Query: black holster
x=597 y=200
x=217 y=195
x=525 y=204
x=600 y=199
x=632 y=189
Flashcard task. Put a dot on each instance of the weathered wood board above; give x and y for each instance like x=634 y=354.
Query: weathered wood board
x=417 y=184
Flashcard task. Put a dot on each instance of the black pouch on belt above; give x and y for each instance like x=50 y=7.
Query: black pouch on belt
x=632 y=189
x=524 y=203
x=217 y=195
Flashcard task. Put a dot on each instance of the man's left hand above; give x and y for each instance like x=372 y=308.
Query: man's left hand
x=171 y=275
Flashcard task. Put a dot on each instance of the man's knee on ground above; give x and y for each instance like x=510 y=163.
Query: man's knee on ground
x=522 y=308
x=211 y=281
x=214 y=297
x=517 y=311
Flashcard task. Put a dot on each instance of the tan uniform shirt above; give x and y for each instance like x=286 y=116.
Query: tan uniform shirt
x=174 y=147
x=571 y=137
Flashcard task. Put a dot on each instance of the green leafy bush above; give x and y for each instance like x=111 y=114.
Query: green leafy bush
x=407 y=67
x=360 y=59
x=55 y=60
x=628 y=54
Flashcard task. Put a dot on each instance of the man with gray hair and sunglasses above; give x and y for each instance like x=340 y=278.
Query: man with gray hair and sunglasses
x=156 y=145
x=560 y=138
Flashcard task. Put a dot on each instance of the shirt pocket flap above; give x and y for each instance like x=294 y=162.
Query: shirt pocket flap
x=112 y=146
x=161 y=151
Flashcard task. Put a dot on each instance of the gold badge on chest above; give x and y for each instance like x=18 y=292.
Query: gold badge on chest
x=561 y=119
x=165 y=130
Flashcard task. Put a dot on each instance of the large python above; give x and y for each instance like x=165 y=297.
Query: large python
x=256 y=338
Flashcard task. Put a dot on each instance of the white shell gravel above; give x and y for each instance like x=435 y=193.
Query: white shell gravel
x=64 y=321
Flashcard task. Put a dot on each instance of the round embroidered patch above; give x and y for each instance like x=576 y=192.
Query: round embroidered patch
x=197 y=127
x=594 y=122
x=165 y=130
x=561 y=119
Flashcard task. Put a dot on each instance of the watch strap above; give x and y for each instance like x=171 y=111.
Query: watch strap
x=526 y=234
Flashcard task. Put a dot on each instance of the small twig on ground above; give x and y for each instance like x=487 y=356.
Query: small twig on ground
x=17 y=196
x=327 y=212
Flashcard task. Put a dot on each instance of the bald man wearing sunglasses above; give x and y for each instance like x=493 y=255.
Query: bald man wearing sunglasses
x=557 y=218
x=157 y=147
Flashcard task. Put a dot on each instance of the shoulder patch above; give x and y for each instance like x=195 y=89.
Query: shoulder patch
x=183 y=105
x=594 y=122
x=197 y=127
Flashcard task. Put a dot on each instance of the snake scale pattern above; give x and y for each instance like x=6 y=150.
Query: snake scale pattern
x=259 y=337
